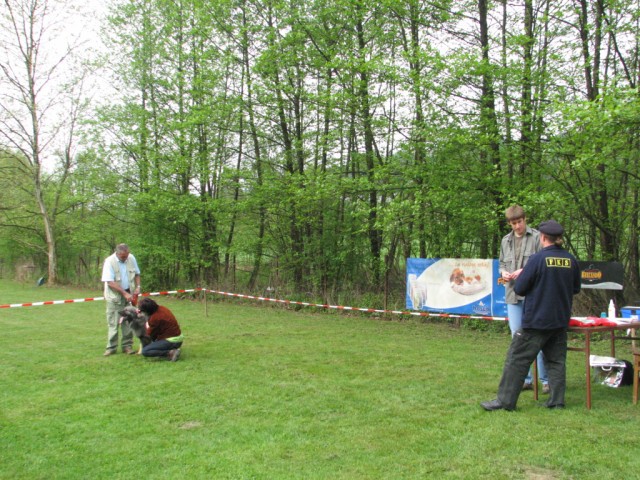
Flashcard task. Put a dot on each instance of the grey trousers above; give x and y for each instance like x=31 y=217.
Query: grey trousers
x=113 y=323
x=525 y=345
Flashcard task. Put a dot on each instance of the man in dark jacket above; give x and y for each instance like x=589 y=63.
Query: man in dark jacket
x=548 y=282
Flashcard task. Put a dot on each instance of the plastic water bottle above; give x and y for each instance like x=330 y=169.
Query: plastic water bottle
x=612 y=310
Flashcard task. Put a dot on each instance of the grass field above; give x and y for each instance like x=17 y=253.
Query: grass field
x=268 y=393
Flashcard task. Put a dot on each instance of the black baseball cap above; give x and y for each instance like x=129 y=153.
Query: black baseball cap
x=551 y=227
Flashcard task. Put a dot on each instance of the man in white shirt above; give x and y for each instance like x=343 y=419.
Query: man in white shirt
x=121 y=277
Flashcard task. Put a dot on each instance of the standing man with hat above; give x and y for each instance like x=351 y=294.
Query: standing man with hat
x=548 y=282
x=121 y=277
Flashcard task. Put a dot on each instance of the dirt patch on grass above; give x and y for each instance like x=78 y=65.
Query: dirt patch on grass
x=540 y=474
x=190 y=425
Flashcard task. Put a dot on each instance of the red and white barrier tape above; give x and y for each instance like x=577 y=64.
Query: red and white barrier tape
x=274 y=300
x=94 y=299
x=357 y=309
x=50 y=302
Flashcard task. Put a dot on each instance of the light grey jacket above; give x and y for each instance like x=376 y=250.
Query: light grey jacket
x=530 y=245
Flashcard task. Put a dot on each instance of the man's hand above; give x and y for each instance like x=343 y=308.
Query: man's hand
x=511 y=276
x=516 y=274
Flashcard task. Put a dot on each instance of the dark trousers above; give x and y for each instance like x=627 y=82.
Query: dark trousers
x=159 y=348
x=525 y=345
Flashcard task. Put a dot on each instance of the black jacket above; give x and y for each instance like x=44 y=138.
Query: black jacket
x=548 y=282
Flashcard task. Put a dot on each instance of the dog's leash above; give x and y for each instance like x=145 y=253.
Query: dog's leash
x=134 y=299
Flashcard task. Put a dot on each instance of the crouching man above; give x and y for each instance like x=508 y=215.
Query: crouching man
x=163 y=328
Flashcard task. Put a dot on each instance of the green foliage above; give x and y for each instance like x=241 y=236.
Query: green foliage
x=20 y=222
x=312 y=147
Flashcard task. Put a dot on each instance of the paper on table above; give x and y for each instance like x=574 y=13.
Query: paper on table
x=623 y=321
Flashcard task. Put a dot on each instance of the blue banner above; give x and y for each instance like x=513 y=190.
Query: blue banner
x=453 y=285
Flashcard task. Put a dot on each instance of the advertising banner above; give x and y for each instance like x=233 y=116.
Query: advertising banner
x=474 y=286
x=453 y=285
x=603 y=275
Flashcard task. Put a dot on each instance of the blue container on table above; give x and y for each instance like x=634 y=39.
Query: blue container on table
x=630 y=312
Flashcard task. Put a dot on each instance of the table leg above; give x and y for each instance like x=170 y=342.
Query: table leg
x=587 y=354
x=613 y=344
x=535 y=379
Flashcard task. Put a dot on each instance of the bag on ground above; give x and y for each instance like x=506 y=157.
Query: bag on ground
x=610 y=371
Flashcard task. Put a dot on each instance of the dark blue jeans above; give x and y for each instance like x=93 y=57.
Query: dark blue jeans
x=525 y=345
x=159 y=348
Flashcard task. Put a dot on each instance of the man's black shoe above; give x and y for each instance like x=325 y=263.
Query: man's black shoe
x=552 y=407
x=492 y=405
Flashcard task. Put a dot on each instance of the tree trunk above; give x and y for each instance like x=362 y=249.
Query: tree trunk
x=489 y=153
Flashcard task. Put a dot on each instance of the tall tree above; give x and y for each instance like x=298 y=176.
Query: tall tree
x=41 y=90
x=490 y=152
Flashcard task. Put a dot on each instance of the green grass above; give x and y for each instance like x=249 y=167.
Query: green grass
x=268 y=393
